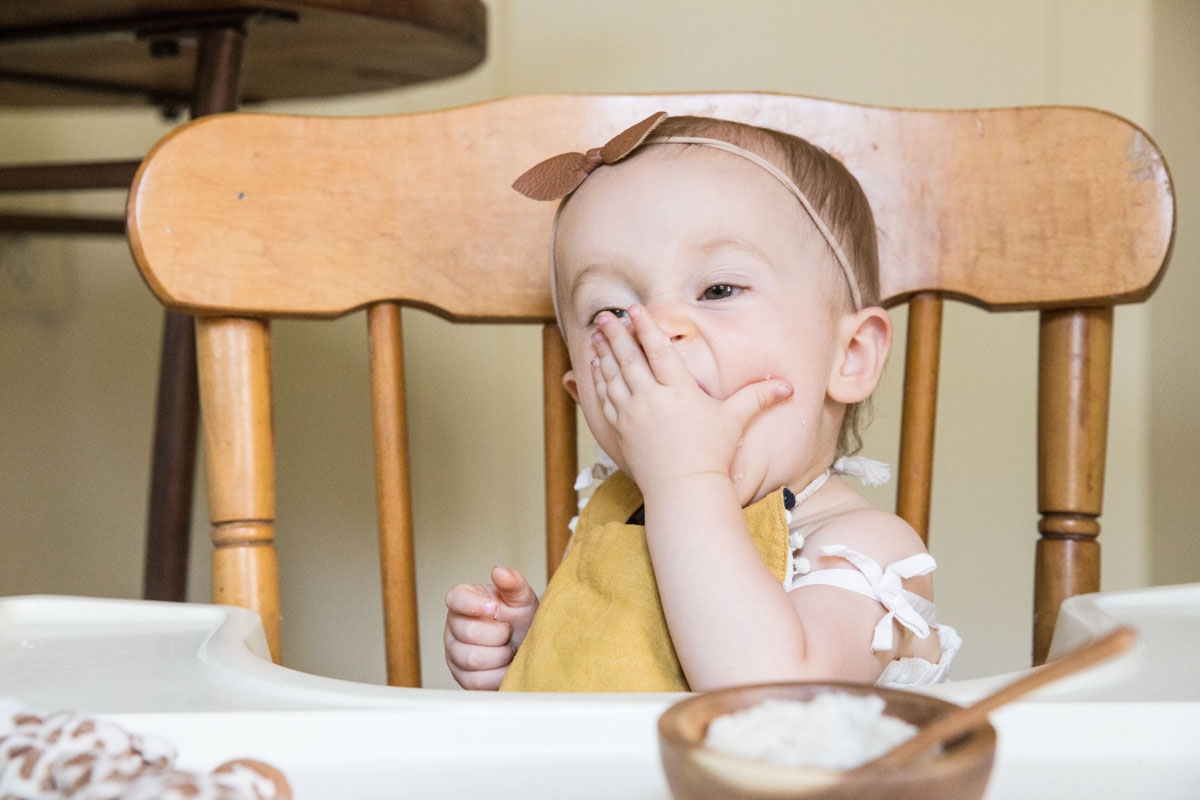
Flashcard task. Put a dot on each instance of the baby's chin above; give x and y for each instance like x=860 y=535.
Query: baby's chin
x=762 y=476
x=750 y=488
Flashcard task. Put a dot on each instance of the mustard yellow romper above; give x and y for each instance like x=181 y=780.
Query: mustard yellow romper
x=600 y=626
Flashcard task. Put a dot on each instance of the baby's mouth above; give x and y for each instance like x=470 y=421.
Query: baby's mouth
x=705 y=386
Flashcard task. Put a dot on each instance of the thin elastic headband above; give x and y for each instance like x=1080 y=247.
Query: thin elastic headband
x=790 y=185
x=559 y=176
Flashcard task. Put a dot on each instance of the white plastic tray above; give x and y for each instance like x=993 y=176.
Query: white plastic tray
x=198 y=676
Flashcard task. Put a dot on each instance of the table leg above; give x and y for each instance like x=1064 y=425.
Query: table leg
x=168 y=527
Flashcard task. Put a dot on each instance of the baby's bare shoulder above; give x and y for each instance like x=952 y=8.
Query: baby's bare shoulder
x=878 y=534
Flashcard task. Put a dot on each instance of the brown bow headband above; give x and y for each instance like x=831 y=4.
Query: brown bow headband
x=560 y=175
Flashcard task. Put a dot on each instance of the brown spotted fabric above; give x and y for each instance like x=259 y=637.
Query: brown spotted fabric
x=68 y=756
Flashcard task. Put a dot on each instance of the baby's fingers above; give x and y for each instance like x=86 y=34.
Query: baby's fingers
x=486 y=680
x=472 y=630
x=665 y=364
x=606 y=373
x=471 y=600
x=474 y=658
x=620 y=354
x=748 y=402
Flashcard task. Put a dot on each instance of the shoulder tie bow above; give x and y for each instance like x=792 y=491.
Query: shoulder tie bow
x=558 y=176
x=888 y=591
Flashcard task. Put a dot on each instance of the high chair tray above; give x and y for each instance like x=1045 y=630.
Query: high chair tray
x=198 y=676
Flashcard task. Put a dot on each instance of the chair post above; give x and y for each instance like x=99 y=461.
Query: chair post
x=1074 y=360
x=234 y=364
x=561 y=448
x=216 y=88
x=393 y=494
x=919 y=412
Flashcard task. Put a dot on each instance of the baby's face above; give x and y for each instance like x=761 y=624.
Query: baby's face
x=730 y=267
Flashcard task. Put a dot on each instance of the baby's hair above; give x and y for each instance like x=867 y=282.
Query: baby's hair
x=834 y=193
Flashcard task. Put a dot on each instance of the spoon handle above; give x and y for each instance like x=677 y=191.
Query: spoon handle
x=964 y=719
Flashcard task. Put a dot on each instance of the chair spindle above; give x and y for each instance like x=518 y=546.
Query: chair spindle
x=393 y=492
x=560 y=446
x=919 y=411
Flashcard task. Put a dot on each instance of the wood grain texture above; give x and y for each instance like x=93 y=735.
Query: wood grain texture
x=393 y=492
x=234 y=368
x=919 y=411
x=245 y=573
x=1065 y=210
x=1005 y=208
x=1075 y=354
x=561 y=454
x=233 y=357
x=1063 y=568
x=1074 y=362
x=297 y=48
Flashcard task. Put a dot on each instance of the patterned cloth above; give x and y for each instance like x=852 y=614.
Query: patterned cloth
x=69 y=755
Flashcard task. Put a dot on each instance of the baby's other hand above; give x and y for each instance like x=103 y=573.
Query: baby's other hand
x=485 y=626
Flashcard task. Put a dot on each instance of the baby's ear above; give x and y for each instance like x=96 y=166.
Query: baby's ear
x=864 y=339
x=570 y=385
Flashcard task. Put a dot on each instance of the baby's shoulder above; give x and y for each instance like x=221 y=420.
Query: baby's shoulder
x=879 y=535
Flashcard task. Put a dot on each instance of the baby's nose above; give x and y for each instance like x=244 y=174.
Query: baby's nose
x=675 y=322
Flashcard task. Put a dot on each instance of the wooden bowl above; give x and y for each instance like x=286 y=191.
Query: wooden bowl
x=696 y=772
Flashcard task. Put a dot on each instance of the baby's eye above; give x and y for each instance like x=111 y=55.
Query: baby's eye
x=619 y=313
x=719 y=291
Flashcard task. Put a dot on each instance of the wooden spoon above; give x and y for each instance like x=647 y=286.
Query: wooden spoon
x=964 y=719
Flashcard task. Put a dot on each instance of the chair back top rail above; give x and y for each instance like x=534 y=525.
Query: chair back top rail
x=1008 y=208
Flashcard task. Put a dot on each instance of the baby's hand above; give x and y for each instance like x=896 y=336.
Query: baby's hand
x=668 y=426
x=485 y=626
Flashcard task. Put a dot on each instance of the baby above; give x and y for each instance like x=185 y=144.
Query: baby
x=717 y=287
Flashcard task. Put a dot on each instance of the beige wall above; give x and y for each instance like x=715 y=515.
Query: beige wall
x=1174 y=352
x=78 y=339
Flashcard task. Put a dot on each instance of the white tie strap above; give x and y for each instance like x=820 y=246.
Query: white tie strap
x=867 y=470
x=881 y=585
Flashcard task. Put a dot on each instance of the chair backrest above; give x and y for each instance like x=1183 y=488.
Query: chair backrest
x=239 y=218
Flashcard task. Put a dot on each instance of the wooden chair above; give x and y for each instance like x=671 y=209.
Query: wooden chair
x=1066 y=211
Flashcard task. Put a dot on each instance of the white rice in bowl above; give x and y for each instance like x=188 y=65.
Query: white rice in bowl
x=834 y=730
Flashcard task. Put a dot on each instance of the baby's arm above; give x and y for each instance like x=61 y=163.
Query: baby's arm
x=840 y=624
x=732 y=622
x=730 y=619
x=485 y=626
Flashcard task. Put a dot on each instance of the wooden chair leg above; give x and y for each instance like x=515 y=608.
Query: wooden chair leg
x=1073 y=386
x=168 y=529
x=233 y=356
x=561 y=449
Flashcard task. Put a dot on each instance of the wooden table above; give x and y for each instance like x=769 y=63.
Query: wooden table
x=86 y=52
x=206 y=56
